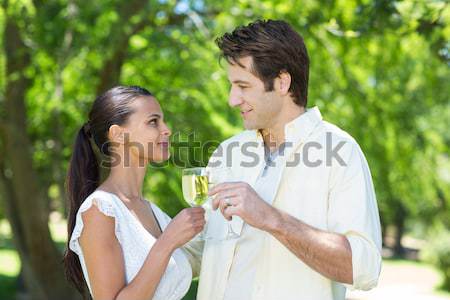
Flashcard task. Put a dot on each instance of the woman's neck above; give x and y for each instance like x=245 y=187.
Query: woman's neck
x=126 y=182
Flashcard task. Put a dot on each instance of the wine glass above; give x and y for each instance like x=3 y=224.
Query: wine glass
x=195 y=189
x=221 y=175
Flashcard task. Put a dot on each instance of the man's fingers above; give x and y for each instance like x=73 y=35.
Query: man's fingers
x=222 y=209
x=227 y=194
x=223 y=186
x=223 y=205
x=229 y=212
x=220 y=197
x=215 y=203
x=227 y=202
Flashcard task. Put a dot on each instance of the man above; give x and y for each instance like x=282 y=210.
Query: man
x=303 y=200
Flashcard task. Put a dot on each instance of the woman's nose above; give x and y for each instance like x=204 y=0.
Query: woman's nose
x=166 y=130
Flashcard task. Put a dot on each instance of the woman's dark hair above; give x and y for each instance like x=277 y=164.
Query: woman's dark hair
x=83 y=177
x=275 y=47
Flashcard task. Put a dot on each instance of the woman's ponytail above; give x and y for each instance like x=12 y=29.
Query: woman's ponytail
x=82 y=180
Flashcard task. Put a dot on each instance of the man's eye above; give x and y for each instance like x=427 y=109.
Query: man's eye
x=243 y=87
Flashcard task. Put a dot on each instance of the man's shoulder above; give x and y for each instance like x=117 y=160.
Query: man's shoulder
x=336 y=133
x=331 y=136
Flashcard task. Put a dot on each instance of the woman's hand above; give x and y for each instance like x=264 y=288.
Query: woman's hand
x=187 y=224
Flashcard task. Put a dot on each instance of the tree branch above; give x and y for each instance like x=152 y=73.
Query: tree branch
x=112 y=67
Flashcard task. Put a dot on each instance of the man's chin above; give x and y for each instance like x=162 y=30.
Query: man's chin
x=250 y=125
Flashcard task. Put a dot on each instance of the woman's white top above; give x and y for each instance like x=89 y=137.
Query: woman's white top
x=136 y=243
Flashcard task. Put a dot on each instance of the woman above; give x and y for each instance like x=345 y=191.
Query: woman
x=122 y=246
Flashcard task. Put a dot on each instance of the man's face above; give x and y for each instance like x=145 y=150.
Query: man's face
x=258 y=108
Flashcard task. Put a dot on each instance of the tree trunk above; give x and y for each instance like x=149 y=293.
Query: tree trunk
x=121 y=34
x=24 y=201
x=110 y=74
x=383 y=232
x=399 y=222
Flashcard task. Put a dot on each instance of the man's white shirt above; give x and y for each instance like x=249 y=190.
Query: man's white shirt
x=326 y=190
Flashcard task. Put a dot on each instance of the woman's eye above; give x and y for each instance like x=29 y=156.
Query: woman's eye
x=153 y=122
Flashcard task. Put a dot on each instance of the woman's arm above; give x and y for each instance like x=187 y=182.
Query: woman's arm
x=104 y=258
x=144 y=285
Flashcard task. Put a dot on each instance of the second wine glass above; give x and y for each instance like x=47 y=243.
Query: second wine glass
x=221 y=175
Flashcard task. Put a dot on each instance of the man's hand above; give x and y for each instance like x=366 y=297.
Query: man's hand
x=240 y=199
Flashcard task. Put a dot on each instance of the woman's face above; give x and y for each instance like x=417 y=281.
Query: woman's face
x=145 y=134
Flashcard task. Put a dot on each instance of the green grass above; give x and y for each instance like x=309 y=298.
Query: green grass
x=7 y=287
x=9 y=263
x=9 y=258
x=9 y=270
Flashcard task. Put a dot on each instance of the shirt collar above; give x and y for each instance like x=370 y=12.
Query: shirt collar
x=301 y=127
x=298 y=129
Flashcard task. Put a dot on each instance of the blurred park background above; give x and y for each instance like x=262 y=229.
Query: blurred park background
x=380 y=69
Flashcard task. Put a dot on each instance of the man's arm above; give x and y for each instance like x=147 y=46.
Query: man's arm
x=328 y=253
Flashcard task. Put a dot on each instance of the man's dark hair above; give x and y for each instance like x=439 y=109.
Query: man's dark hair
x=275 y=47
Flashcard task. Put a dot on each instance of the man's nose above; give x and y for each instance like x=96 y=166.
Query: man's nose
x=234 y=99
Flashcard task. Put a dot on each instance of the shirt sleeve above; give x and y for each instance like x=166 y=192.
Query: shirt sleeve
x=353 y=212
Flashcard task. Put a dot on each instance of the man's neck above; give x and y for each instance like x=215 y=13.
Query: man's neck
x=275 y=135
x=272 y=139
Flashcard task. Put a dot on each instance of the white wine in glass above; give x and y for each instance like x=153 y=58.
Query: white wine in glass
x=195 y=189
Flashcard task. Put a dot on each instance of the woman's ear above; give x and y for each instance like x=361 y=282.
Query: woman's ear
x=284 y=82
x=116 y=134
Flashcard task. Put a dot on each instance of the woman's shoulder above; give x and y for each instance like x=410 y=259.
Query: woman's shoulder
x=104 y=201
x=103 y=218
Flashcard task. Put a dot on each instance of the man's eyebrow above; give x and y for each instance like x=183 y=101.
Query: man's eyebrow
x=240 y=82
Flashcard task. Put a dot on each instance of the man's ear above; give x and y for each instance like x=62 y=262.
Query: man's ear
x=116 y=134
x=283 y=82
